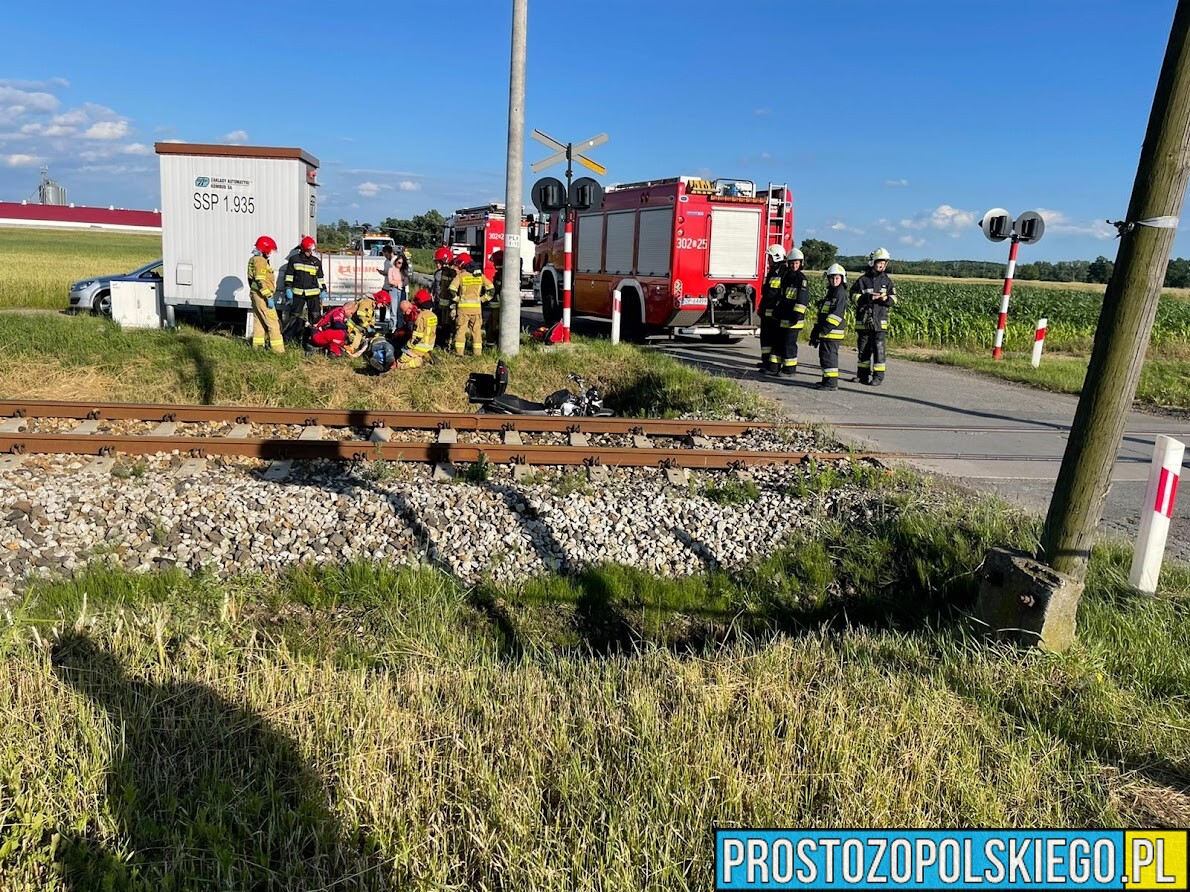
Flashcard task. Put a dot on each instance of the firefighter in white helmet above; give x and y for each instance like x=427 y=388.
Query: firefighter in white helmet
x=875 y=293
x=828 y=330
x=770 y=301
x=791 y=313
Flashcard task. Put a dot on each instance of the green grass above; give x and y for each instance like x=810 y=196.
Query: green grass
x=81 y=357
x=1163 y=382
x=41 y=264
x=395 y=726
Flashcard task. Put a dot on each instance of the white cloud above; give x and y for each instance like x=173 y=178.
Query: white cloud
x=895 y=183
x=943 y=217
x=107 y=130
x=766 y=156
x=137 y=148
x=763 y=111
x=911 y=241
x=370 y=189
x=20 y=160
x=840 y=226
x=236 y=137
x=409 y=186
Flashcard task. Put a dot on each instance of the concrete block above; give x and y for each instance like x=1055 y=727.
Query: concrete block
x=1027 y=602
x=13 y=425
x=312 y=432
x=597 y=474
x=639 y=442
x=191 y=467
x=448 y=435
x=512 y=438
x=278 y=470
x=579 y=439
x=240 y=432
x=10 y=462
x=90 y=426
x=697 y=442
x=520 y=472
x=101 y=464
x=165 y=429
x=677 y=476
x=445 y=471
x=381 y=434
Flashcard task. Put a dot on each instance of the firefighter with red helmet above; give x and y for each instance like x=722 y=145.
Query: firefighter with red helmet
x=262 y=284
x=420 y=348
x=491 y=310
x=305 y=283
x=876 y=293
x=469 y=291
x=439 y=290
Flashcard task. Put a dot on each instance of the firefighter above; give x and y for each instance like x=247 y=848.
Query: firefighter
x=491 y=310
x=439 y=289
x=828 y=330
x=420 y=348
x=262 y=282
x=305 y=283
x=876 y=293
x=770 y=298
x=791 y=312
x=469 y=291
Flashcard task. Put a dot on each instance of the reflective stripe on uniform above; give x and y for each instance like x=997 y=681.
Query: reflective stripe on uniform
x=790 y=362
x=833 y=336
x=830 y=373
x=878 y=368
x=863 y=365
x=834 y=320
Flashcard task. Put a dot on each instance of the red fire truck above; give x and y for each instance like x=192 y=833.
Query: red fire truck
x=686 y=254
x=480 y=231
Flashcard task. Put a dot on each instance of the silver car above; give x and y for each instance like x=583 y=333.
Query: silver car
x=95 y=294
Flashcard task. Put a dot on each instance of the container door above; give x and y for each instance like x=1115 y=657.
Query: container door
x=735 y=243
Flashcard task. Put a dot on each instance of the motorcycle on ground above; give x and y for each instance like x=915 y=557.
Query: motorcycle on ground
x=489 y=393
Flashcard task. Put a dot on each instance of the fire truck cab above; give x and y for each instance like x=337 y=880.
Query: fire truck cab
x=686 y=254
x=480 y=230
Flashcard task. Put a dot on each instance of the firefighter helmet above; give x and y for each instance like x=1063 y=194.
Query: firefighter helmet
x=795 y=254
x=497 y=257
x=835 y=269
x=266 y=245
x=308 y=244
x=776 y=253
x=442 y=255
x=881 y=254
x=462 y=259
x=423 y=298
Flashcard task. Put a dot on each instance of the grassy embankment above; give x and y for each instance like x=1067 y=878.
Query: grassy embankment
x=83 y=357
x=570 y=733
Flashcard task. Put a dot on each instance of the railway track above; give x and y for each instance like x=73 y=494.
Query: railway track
x=439 y=438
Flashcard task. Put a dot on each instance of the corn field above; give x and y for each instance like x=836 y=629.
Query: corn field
x=956 y=315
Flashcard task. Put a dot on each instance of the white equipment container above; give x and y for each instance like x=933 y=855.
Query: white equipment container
x=136 y=303
x=215 y=202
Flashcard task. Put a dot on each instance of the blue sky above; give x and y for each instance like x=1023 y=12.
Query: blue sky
x=895 y=124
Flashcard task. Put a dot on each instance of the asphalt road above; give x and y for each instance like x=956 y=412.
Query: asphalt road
x=928 y=409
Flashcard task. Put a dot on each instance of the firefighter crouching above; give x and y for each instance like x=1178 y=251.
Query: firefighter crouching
x=420 y=348
x=791 y=313
x=440 y=291
x=770 y=299
x=262 y=282
x=828 y=330
x=468 y=291
x=876 y=293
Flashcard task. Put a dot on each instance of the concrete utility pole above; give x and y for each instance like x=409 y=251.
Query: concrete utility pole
x=1126 y=320
x=510 y=291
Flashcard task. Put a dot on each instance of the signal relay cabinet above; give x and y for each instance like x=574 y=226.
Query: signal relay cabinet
x=215 y=202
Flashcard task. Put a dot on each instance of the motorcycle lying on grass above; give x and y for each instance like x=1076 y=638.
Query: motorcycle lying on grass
x=488 y=392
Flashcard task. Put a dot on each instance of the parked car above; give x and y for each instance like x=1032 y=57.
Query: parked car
x=95 y=294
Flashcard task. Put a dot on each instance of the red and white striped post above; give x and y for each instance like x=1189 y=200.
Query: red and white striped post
x=616 y=310
x=1009 y=272
x=1039 y=341
x=1156 y=513
x=567 y=277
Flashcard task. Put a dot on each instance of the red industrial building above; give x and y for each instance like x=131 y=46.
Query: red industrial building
x=60 y=216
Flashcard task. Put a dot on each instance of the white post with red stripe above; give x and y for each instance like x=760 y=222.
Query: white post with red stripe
x=616 y=310
x=1009 y=272
x=567 y=276
x=1156 y=513
x=1039 y=341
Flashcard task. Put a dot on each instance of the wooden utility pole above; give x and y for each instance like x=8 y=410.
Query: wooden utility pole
x=1126 y=320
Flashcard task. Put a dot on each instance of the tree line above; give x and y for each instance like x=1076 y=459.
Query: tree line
x=425 y=231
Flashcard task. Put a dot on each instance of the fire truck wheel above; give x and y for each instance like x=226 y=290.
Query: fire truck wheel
x=551 y=305
x=632 y=326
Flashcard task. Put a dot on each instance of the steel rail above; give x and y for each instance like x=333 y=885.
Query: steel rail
x=971 y=429
x=367 y=418
x=363 y=450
